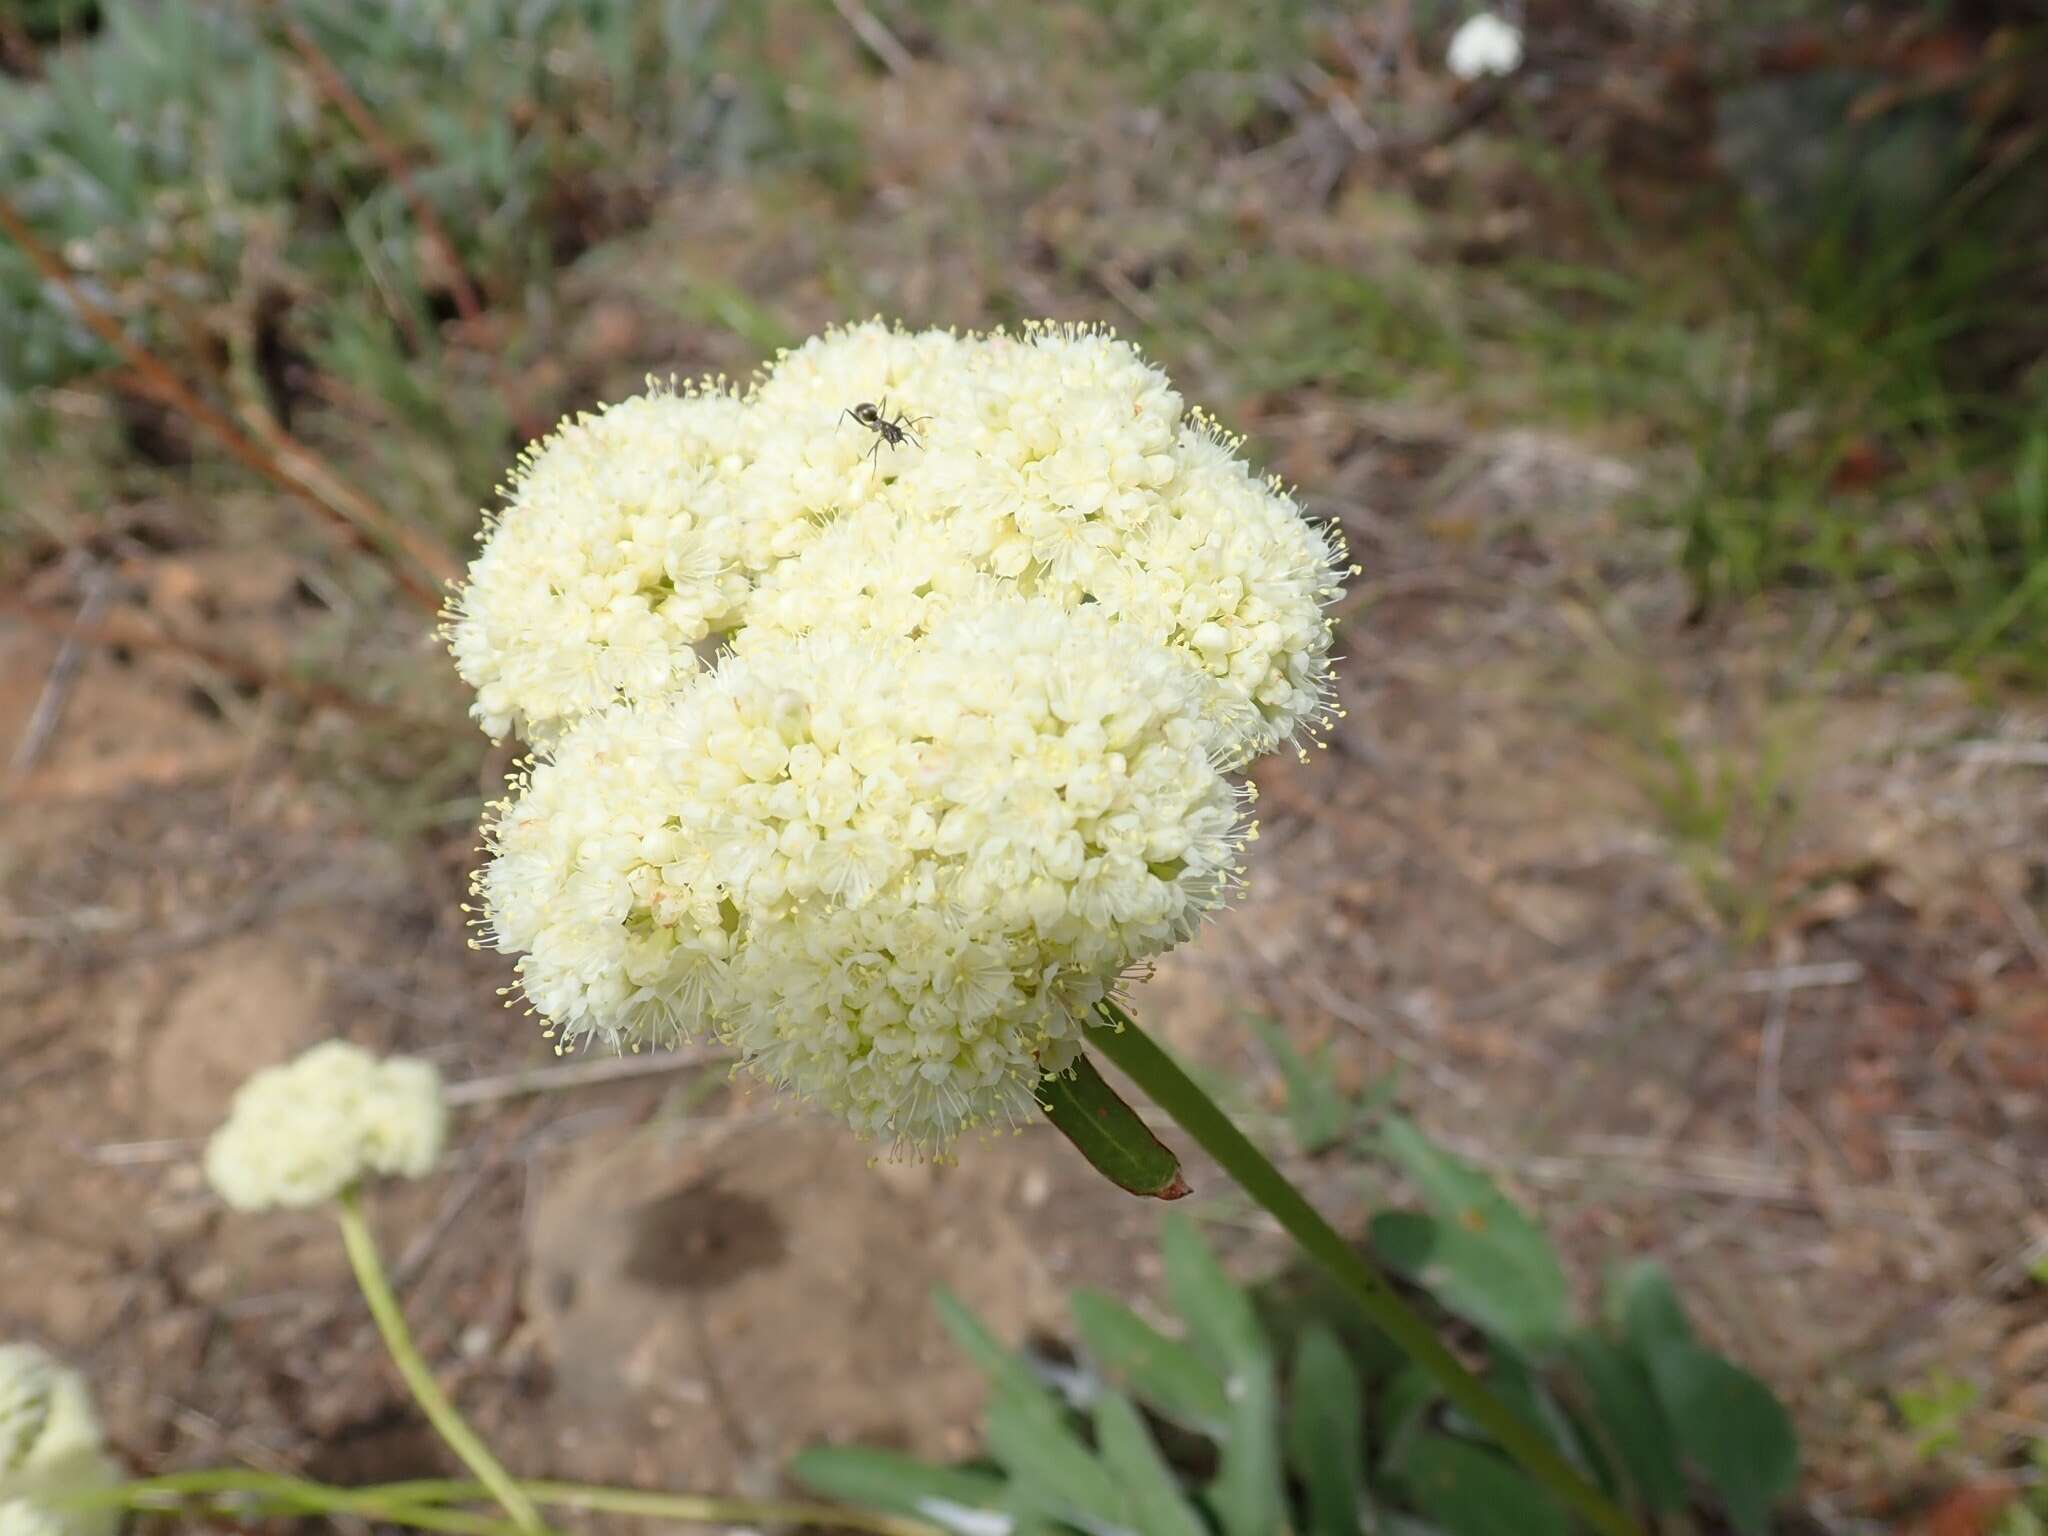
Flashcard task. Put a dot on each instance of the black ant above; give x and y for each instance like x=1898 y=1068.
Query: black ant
x=895 y=431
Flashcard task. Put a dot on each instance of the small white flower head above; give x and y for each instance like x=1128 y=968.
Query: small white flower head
x=617 y=551
x=301 y=1133
x=1484 y=45
x=896 y=873
x=50 y=1444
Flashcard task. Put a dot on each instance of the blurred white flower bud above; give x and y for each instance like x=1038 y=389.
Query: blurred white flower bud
x=1484 y=45
x=304 y=1132
x=50 y=1445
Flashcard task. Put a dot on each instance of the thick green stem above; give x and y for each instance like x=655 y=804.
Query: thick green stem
x=1141 y=1060
x=369 y=1268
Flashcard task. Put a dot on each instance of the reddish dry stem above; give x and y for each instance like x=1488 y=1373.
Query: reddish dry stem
x=360 y=520
x=333 y=84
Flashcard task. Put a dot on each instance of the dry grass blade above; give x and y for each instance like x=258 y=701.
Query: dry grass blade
x=356 y=517
x=875 y=37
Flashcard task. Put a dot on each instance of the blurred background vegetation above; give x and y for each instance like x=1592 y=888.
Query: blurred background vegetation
x=1797 y=248
x=1786 y=259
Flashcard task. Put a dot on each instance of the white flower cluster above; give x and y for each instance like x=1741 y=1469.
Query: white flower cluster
x=301 y=1133
x=961 y=762
x=50 y=1445
x=1057 y=462
x=618 y=552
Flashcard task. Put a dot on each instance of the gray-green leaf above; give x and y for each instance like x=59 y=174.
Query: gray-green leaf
x=1485 y=1256
x=1732 y=1426
x=886 y=1481
x=1472 y=1492
x=1247 y=1495
x=1052 y=1471
x=1153 y=1501
x=1644 y=1308
x=1326 y=1433
x=1166 y=1375
x=1221 y=1323
x=1626 y=1425
x=1471 y=1276
x=1317 y=1113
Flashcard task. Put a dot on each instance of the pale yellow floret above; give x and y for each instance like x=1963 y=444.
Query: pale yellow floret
x=301 y=1133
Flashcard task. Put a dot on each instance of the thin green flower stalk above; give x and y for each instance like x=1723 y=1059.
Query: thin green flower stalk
x=440 y=1412
x=422 y=1504
x=693 y=1508
x=1139 y=1057
x=312 y=1131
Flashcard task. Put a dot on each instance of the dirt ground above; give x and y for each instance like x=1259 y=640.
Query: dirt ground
x=1759 y=991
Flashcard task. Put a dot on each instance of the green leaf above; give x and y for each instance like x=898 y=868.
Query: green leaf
x=1468 y=1274
x=1222 y=1325
x=1153 y=1501
x=1517 y=1385
x=1052 y=1471
x=1224 y=1330
x=1485 y=1257
x=1317 y=1113
x=1732 y=1426
x=896 y=1484
x=1644 y=1309
x=1247 y=1495
x=1326 y=1433
x=1164 y=1374
x=1625 y=1422
x=1400 y=1410
x=1468 y=1491
x=1107 y=1131
x=1935 y=1409
x=974 y=1339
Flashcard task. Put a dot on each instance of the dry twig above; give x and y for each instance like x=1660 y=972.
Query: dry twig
x=42 y=722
